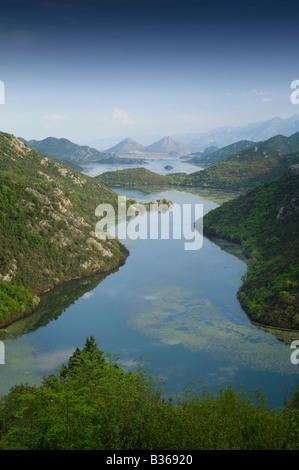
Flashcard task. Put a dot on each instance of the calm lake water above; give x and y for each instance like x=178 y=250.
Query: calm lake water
x=174 y=307
x=157 y=165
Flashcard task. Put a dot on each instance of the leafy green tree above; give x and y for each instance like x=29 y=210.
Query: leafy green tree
x=97 y=406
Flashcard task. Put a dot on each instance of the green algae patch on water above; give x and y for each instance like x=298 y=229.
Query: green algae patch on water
x=175 y=315
x=21 y=362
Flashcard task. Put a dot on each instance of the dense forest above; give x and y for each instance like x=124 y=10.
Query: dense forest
x=92 y=403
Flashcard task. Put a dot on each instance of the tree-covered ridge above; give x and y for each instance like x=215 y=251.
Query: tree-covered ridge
x=133 y=177
x=266 y=222
x=241 y=172
x=282 y=143
x=216 y=156
x=279 y=143
x=47 y=220
x=93 y=404
x=293 y=158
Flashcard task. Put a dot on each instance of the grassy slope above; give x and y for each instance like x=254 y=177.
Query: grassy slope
x=133 y=177
x=266 y=222
x=47 y=220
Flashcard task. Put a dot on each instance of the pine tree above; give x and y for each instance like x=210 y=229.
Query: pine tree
x=90 y=351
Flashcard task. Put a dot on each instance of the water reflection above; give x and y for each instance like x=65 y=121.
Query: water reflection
x=53 y=304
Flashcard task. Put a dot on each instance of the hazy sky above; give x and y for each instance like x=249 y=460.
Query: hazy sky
x=86 y=70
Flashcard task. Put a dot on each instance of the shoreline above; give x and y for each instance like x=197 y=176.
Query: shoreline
x=28 y=312
x=247 y=255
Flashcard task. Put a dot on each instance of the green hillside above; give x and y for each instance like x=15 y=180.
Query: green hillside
x=47 y=220
x=280 y=143
x=241 y=172
x=133 y=177
x=266 y=222
x=220 y=154
x=293 y=159
x=283 y=144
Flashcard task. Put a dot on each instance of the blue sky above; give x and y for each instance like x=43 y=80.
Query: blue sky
x=95 y=69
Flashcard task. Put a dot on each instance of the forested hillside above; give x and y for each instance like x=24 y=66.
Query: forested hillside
x=216 y=156
x=241 y=172
x=47 y=220
x=266 y=222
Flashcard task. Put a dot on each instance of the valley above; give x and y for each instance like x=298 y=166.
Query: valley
x=151 y=298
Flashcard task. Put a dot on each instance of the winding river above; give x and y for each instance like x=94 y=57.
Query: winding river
x=175 y=309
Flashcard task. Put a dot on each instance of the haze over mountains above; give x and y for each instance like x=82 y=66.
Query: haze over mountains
x=219 y=137
x=256 y=131
x=211 y=147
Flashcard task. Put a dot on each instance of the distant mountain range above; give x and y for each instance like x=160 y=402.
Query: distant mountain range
x=220 y=137
x=258 y=131
x=214 y=146
x=71 y=154
x=65 y=151
x=280 y=143
x=166 y=145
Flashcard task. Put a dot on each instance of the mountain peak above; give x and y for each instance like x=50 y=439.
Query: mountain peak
x=168 y=144
x=126 y=146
